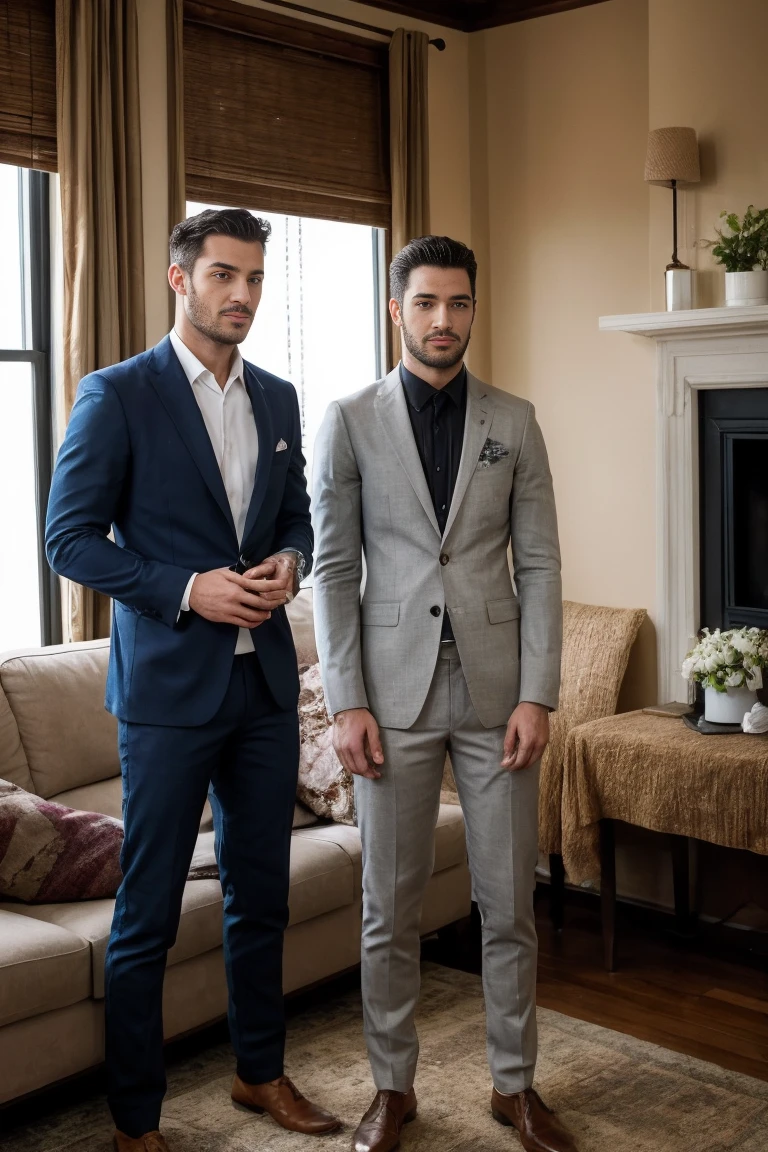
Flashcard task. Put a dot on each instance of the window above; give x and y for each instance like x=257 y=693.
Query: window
x=29 y=607
x=319 y=321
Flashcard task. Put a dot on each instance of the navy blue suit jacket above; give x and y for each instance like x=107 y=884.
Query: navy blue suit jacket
x=137 y=458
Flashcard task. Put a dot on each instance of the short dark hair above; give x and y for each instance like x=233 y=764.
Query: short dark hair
x=432 y=252
x=189 y=236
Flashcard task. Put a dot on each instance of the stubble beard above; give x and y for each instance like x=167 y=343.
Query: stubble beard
x=201 y=317
x=433 y=358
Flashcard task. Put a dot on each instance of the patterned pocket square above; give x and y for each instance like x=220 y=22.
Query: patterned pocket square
x=493 y=451
x=281 y=446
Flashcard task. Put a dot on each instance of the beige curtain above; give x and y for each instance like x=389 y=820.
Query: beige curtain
x=177 y=198
x=102 y=231
x=409 y=143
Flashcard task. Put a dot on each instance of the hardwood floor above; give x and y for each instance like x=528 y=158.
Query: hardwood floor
x=669 y=991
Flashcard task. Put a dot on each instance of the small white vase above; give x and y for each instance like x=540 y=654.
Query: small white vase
x=744 y=288
x=729 y=707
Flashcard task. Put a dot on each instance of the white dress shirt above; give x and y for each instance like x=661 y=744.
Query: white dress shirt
x=230 y=422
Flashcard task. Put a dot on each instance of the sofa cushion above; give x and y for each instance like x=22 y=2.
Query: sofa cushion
x=13 y=762
x=322 y=874
x=322 y=877
x=104 y=796
x=57 y=698
x=49 y=852
x=300 y=617
x=321 y=880
x=91 y=921
x=42 y=967
x=107 y=796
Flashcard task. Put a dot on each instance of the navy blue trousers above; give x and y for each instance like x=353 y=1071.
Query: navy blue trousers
x=246 y=759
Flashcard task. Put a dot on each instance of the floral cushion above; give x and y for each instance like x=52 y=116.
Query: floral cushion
x=324 y=785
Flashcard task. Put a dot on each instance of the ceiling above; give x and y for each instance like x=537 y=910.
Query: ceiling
x=472 y=15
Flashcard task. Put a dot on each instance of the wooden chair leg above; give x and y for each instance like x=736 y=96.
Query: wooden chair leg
x=608 y=892
x=681 y=880
x=556 y=890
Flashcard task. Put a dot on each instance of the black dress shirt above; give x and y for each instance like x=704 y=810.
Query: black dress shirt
x=437 y=418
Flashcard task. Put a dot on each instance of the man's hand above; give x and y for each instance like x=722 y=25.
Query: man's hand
x=228 y=598
x=527 y=736
x=356 y=742
x=284 y=572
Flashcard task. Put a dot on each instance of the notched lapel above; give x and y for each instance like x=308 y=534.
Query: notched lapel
x=477 y=427
x=392 y=412
x=178 y=399
x=266 y=449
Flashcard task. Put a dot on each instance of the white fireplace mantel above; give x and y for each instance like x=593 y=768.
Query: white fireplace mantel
x=701 y=348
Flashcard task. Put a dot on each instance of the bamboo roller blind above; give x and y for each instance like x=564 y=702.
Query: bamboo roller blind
x=284 y=116
x=28 y=83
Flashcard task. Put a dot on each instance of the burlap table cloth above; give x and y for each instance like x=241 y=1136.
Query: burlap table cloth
x=655 y=772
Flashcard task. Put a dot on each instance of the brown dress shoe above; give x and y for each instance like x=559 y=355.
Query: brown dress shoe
x=539 y=1128
x=282 y=1100
x=379 y=1130
x=149 y=1142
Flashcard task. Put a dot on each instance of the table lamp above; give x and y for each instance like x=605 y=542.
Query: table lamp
x=672 y=159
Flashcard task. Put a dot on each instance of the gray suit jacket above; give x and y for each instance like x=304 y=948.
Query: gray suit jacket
x=370 y=497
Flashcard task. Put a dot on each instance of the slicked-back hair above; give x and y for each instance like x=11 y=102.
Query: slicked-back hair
x=432 y=252
x=189 y=236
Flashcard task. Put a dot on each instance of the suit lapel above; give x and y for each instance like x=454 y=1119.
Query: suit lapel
x=178 y=399
x=391 y=408
x=266 y=450
x=476 y=430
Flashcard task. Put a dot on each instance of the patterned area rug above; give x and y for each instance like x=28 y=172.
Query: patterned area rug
x=616 y=1093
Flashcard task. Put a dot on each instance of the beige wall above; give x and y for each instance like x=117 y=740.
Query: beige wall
x=448 y=126
x=566 y=105
x=571 y=232
x=726 y=101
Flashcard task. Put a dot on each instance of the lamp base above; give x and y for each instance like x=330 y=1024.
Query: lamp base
x=680 y=286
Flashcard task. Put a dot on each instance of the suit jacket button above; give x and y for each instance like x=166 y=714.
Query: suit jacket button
x=444 y=558
x=435 y=610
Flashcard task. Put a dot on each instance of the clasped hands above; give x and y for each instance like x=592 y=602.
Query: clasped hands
x=226 y=597
x=357 y=743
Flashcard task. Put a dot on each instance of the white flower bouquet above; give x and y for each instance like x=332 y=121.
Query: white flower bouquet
x=732 y=659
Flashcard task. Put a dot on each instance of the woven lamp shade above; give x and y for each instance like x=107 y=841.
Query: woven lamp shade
x=673 y=154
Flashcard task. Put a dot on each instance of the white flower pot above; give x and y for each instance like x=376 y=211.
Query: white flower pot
x=743 y=288
x=729 y=707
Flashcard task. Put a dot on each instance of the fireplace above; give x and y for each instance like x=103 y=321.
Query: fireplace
x=733 y=487
x=711 y=497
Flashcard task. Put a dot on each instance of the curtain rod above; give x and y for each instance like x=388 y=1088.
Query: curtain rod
x=438 y=43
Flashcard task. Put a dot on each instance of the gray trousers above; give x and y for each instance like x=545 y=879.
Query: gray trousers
x=396 y=817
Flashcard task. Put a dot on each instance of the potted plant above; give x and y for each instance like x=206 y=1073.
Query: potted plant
x=742 y=248
x=729 y=665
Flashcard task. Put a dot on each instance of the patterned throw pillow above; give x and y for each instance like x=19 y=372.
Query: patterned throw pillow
x=324 y=785
x=51 y=853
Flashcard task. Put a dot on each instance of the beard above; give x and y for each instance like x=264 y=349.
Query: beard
x=433 y=357
x=208 y=322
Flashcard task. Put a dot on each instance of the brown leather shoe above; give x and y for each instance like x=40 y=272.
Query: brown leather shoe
x=539 y=1128
x=149 y=1142
x=379 y=1130
x=282 y=1100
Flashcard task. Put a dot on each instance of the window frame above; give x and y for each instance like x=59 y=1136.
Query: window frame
x=36 y=283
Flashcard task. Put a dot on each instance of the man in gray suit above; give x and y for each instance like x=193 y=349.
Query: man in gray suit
x=431 y=474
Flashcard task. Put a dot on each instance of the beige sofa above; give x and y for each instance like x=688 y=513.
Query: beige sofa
x=57 y=740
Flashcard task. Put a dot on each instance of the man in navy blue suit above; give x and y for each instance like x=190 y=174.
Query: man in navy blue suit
x=193 y=458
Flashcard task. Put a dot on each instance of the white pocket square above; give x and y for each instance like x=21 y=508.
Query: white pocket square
x=281 y=446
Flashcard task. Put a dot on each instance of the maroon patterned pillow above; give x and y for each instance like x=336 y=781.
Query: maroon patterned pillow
x=51 y=853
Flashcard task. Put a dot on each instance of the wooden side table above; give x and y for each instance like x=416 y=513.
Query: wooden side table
x=681 y=848
x=656 y=773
